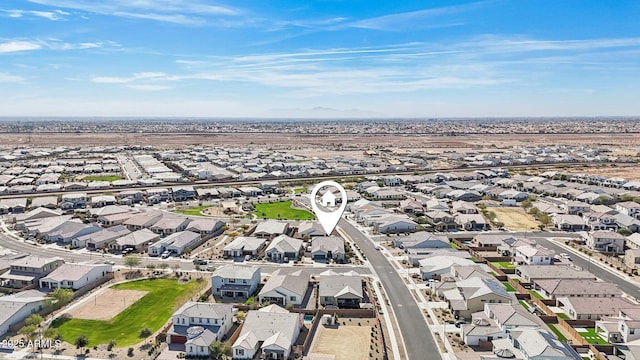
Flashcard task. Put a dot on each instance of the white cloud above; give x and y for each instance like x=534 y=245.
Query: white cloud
x=15 y=46
x=55 y=15
x=149 y=87
x=8 y=78
x=174 y=11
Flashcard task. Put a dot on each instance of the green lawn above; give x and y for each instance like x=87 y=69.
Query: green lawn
x=591 y=336
x=300 y=190
x=504 y=264
x=453 y=246
x=560 y=336
x=153 y=310
x=102 y=178
x=193 y=211
x=536 y=295
x=563 y=316
x=508 y=286
x=281 y=210
x=524 y=304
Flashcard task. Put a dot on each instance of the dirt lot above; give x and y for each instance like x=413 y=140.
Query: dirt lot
x=293 y=141
x=514 y=218
x=346 y=342
x=107 y=304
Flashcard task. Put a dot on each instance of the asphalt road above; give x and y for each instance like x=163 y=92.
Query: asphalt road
x=592 y=267
x=418 y=341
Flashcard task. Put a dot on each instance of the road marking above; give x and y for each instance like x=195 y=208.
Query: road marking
x=400 y=305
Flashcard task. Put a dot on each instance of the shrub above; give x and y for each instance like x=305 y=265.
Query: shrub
x=130 y=352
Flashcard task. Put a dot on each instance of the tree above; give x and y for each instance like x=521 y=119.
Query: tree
x=33 y=319
x=151 y=266
x=81 y=341
x=144 y=334
x=176 y=267
x=132 y=260
x=60 y=297
x=163 y=266
x=30 y=332
x=219 y=350
x=624 y=232
x=52 y=333
x=111 y=345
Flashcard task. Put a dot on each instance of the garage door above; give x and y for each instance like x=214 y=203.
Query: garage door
x=178 y=339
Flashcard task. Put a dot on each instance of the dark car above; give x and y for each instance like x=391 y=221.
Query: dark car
x=200 y=262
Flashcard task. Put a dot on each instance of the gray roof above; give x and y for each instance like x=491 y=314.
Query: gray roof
x=269 y=321
x=182 y=238
x=285 y=244
x=200 y=224
x=235 y=272
x=271 y=227
x=204 y=310
x=296 y=283
x=334 y=244
x=544 y=345
x=536 y=272
x=513 y=315
x=246 y=243
x=337 y=285
x=32 y=261
x=106 y=234
x=137 y=238
x=73 y=272
x=577 y=287
x=598 y=305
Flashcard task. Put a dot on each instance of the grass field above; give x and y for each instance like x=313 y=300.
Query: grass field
x=558 y=333
x=102 y=178
x=536 y=294
x=504 y=264
x=514 y=218
x=508 y=286
x=563 y=316
x=151 y=311
x=300 y=190
x=281 y=210
x=193 y=211
x=590 y=335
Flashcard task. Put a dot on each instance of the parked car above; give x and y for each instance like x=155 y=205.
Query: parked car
x=165 y=255
x=200 y=262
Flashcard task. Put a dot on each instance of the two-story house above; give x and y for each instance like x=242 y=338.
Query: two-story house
x=629 y=208
x=196 y=325
x=235 y=281
x=28 y=270
x=606 y=241
x=533 y=255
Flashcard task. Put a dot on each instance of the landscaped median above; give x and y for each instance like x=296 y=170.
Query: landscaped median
x=151 y=311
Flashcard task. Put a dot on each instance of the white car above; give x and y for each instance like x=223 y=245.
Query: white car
x=565 y=256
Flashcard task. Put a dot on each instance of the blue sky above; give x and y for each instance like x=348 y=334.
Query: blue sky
x=327 y=58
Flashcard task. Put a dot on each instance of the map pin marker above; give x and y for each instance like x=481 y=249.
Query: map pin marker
x=328 y=219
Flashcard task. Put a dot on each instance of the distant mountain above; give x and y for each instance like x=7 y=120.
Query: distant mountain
x=321 y=112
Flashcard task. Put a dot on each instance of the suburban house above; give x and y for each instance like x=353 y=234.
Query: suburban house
x=66 y=232
x=629 y=208
x=422 y=240
x=411 y=206
x=586 y=288
x=199 y=324
x=538 y=344
x=72 y=201
x=606 y=241
x=496 y=321
x=624 y=327
x=284 y=289
x=632 y=258
x=284 y=248
x=532 y=273
x=182 y=241
x=102 y=200
x=575 y=207
x=472 y=293
x=310 y=229
x=142 y=221
x=438 y=265
x=157 y=195
x=137 y=240
x=393 y=224
x=15 y=308
x=100 y=239
x=533 y=255
x=581 y=308
x=569 y=222
x=235 y=281
x=341 y=290
x=471 y=221
x=271 y=330
x=489 y=241
x=243 y=246
x=206 y=227
x=170 y=224
x=28 y=270
x=75 y=276
x=113 y=219
x=270 y=229
x=183 y=193
x=324 y=248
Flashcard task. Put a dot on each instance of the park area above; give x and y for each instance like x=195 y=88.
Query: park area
x=124 y=309
x=514 y=218
x=281 y=210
